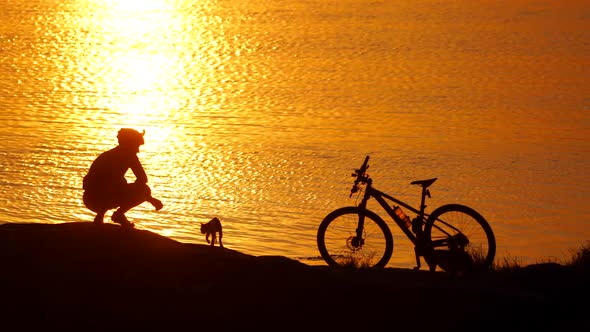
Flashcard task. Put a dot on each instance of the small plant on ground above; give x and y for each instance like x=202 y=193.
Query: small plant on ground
x=356 y=262
x=507 y=264
x=580 y=258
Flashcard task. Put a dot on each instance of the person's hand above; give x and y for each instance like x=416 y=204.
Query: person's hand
x=158 y=205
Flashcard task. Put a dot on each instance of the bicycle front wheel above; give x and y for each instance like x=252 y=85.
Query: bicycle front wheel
x=455 y=226
x=340 y=246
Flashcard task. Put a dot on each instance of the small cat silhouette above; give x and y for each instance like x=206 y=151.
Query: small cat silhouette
x=211 y=228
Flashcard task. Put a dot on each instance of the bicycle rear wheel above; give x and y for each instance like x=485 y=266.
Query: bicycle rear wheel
x=340 y=246
x=455 y=228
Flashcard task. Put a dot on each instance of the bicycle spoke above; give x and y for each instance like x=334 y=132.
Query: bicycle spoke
x=338 y=240
x=459 y=229
x=341 y=238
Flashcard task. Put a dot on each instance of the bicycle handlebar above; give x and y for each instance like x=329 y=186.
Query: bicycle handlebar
x=360 y=175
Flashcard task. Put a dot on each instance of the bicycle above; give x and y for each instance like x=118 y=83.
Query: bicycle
x=454 y=237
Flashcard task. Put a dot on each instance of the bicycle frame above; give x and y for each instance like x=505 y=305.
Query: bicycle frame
x=438 y=236
x=383 y=198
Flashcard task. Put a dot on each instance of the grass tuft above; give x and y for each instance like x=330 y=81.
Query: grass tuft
x=580 y=258
x=507 y=264
x=352 y=261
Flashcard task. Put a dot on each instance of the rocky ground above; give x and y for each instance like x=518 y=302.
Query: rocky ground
x=83 y=277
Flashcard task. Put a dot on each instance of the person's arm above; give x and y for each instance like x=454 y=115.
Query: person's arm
x=138 y=171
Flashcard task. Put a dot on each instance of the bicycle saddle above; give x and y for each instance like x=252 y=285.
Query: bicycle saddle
x=424 y=183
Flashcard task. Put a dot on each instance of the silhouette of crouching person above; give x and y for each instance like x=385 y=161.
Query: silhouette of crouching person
x=105 y=186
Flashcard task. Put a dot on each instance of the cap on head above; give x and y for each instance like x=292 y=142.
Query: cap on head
x=128 y=136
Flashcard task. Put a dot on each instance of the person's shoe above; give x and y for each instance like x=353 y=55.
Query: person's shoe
x=158 y=205
x=119 y=218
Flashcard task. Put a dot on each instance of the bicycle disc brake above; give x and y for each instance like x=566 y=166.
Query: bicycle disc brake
x=355 y=243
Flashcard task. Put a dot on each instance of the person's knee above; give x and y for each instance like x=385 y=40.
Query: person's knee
x=138 y=192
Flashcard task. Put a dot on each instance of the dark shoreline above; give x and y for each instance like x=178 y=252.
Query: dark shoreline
x=79 y=276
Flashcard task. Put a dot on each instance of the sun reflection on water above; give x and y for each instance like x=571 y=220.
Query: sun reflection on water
x=143 y=70
x=139 y=62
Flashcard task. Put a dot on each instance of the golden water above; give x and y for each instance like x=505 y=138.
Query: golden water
x=258 y=111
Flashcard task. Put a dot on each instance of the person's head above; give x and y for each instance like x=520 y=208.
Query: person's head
x=130 y=138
